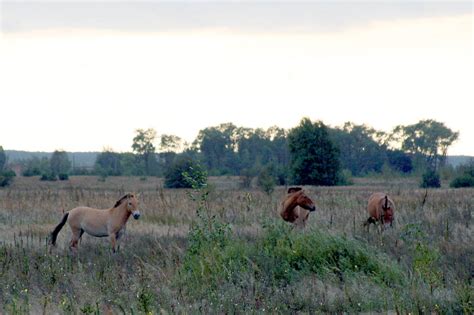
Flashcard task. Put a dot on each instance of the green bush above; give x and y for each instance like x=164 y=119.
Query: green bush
x=430 y=179
x=185 y=173
x=6 y=178
x=49 y=176
x=266 y=181
x=63 y=176
x=466 y=178
x=279 y=257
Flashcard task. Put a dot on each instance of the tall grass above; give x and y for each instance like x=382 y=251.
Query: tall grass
x=224 y=250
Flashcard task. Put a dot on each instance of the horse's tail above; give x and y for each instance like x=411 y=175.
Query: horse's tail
x=386 y=202
x=54 y=234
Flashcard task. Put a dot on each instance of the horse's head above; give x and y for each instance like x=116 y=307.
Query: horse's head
x=388 y=209
x=131 y=204
x=301 y=199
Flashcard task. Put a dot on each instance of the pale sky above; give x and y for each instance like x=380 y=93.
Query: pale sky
x=81 y=76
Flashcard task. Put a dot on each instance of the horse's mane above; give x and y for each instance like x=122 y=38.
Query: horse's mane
x=122 y=199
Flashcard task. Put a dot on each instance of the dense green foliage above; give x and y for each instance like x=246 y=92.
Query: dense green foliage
x=6 y=177
x=427 y=140
x=320 y=155
x=3 y=158
x=35 y=166
x=314 y=157
x=60 y=163
x=465 y=177
x=185 y=173
x=430 y=179
x=359 y=152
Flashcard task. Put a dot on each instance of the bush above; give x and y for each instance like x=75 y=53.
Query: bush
x=344 y=178
x=48 y=177
x=430 y=179
x=63 y=176
x=266 y=181
x=6 y=178
x=185 y=173
x=466 y=178
x=279 y=257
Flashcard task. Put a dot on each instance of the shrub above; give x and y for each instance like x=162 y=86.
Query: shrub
x=266 y=181
x=466 y=179
x=6 y=178
x=344 y=178
x=430 y=179
x=185 y=173
x=63 y=176
x=49 y=176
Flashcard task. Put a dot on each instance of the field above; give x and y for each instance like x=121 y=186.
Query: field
x=225 y=250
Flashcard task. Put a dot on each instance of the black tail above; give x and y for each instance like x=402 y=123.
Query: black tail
x=54 y=234
x=386 y=202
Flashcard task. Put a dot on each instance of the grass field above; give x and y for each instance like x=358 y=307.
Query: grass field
x=225 y=250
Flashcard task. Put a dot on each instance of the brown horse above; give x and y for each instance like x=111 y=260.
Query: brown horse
x=96 y=222
x=296 y=207
x=381 y=209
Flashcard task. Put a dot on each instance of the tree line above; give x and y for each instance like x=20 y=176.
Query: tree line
x=310 y=153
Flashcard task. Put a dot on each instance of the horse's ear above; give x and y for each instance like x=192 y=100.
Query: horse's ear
x=293 y=189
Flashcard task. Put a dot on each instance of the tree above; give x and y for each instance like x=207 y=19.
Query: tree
x=400 y=161
x=314 y=157
x=108 y=163
x=428 y=140
x=36 y=166
x=218 y=147
x=143 y=146
x=3 y=158
x=59 y=163
x=359 y=152
x=171 y=143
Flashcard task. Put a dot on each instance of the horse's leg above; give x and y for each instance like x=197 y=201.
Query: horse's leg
x=113 y=240
x=76 y=234
x=80 y=235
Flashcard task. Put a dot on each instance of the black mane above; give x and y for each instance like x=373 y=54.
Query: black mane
x=122 y=199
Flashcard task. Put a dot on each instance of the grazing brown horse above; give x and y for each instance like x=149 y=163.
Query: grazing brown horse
x=97 y=222
x=381 y=209
x=296 y=207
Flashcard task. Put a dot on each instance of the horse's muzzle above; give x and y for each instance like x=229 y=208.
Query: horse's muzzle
x=136 y=214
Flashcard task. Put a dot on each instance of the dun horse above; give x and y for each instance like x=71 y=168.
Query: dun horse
x=381 y=209
x=296 y=207
x=96 y=222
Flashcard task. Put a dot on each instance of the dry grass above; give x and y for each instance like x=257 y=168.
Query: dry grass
x=155 y=245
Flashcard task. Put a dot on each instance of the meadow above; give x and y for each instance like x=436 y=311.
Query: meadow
x=224 y=249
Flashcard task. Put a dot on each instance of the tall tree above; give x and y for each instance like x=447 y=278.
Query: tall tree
x=60 y=163
x=3 y=158
x=427 y=140
x=108 y=163
x=171 y=143
x=144 y=147
x=218 y=146
x=314 y=157
x=359 y=151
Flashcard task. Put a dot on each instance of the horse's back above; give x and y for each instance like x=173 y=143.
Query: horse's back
x=81 y=217
x=373 y=204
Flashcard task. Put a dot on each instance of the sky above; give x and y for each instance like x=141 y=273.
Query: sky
x=84 y=75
